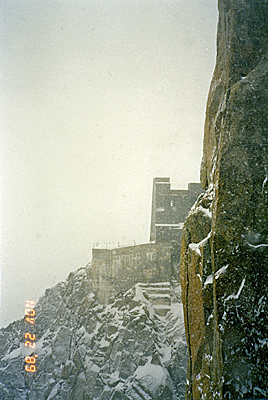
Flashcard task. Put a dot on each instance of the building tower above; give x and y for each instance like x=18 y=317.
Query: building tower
x=169 y=210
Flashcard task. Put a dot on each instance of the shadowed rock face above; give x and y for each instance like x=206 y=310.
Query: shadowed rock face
x=224 y=272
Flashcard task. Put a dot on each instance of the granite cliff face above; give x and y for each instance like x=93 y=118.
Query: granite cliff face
x=132 y=349
x=224 y=272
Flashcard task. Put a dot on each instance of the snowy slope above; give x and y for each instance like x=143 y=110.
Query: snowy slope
x=134 y=348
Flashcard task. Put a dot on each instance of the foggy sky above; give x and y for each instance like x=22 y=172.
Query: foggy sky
x=98 y=98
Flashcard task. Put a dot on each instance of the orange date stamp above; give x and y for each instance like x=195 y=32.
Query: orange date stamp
x=29 y=338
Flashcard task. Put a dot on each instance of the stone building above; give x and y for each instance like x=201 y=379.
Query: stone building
x=170 y=208
x=116 y=270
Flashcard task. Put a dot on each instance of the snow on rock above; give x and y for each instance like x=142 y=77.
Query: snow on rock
x=209 y=280
x=236 y=296
x=153 y=378
x=224 y=281
x=195 y=247
x=134 y=347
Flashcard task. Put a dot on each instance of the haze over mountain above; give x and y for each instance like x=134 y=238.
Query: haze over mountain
x=98 y=98
x=113 y=330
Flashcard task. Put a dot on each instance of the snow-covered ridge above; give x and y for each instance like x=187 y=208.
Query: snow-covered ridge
x=135 y=346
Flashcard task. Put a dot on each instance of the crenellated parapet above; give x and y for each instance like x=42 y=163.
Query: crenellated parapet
x=170 y=208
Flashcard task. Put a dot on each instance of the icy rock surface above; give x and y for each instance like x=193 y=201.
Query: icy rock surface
x=224 y=273
x=133 y=349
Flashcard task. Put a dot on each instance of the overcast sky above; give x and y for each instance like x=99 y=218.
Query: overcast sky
x=98 y=98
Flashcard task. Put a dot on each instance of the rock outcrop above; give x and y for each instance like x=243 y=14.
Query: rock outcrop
x=132 y=349
x=224 y=273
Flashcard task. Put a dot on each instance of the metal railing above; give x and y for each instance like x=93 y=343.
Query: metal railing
x=112 y=245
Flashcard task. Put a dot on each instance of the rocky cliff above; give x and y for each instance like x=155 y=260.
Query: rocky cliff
x=132 y=349
x=224 y=272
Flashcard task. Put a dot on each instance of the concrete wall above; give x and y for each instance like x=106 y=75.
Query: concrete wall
x=118 y=269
